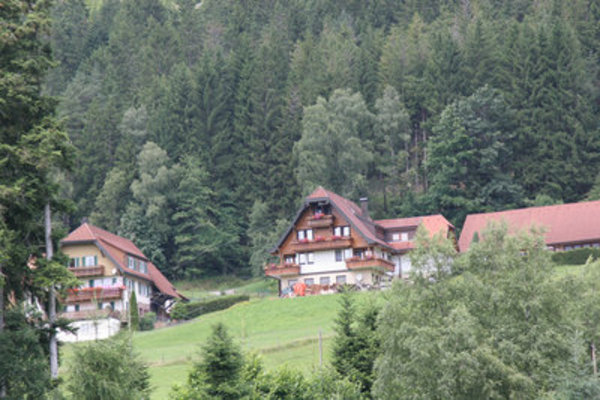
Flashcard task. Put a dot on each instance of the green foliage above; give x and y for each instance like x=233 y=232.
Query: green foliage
x=335 y=148
x=225 y=373
x=147 y=321
x=134 y=314
x=356 y=344
x=431 y=106
x=502 y=328
x=108 y=369
x=23 y=365
x=183 y=310
x=218 y=372
x=575 y=256
x=470 y=157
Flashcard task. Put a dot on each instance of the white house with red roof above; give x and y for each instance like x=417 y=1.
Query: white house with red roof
x=565 y=226
x=333 y=241
x=111 y=268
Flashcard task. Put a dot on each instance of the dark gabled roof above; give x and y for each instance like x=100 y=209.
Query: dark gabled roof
x=115 y=247
x=364 y=225
x=564 y=223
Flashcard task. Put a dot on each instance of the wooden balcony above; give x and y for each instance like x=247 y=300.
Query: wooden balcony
x=94 y=314
x=369 y=263
x=95 y=294
x=320 y=221
x=282 y=269
x=322 y=244
x=81 y=272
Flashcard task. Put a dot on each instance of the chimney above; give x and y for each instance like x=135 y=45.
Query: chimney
x=364 y=206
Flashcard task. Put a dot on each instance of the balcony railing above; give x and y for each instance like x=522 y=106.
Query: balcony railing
x=369 y=263
x=95 y=270
x=322 y=244
x=320 y=221
x=95 y=293
x=94 y=314
x=282 y=269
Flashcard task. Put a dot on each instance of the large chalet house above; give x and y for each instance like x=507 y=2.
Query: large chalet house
x=566 y=226
x=111 y=268
x=334 y=241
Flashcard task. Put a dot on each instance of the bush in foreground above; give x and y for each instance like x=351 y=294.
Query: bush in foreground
x=108 y=370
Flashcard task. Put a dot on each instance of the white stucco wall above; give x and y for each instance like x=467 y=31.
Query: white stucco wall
x=91 y=330
x=324 y=261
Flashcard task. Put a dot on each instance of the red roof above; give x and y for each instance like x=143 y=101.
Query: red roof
x=118 y=248
x=563 y=223
x=367 y=227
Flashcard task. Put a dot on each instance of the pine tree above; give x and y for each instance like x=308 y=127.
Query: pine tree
x=134 y=315
x=220 y=366
x=197 y=238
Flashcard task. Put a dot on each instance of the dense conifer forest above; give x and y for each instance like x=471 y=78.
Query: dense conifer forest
x=200 y=125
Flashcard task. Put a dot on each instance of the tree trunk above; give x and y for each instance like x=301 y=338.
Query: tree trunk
x=2 y=383
x=594 y=364
x=52 y=299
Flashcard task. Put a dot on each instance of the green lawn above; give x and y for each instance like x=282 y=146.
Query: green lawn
x=203 y=288
x=282 y=331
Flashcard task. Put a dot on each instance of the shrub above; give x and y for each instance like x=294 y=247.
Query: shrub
x=193 y=310
x=147 y=321
x=576 y=256
x=108 y=369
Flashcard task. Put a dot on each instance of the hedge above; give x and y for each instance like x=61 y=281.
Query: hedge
x=193 y=310
x=576 y=256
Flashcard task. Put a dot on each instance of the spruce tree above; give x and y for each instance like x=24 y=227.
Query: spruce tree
x=134 y=315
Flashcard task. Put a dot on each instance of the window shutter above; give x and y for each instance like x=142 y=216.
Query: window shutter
x=95 y=260
x=83 y=261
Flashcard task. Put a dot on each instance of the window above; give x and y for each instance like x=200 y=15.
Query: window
x=99 y=306
x=89 y=261
x=358 y=253
x=91 y=282
x=290 y=259
x=143 y=267
x=74 y=262
x=309 y=281
x=341 y=231
x=310 y=257
x=339 y=256
x=395 y=237
x=302 y=257
x=340 y=279
x=305 y=234
x=324 y=280
x=404 y=236
x=76 y=307
x=131 y=263
x=347 y=253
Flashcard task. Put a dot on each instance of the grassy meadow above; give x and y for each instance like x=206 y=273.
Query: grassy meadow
x=282 y=331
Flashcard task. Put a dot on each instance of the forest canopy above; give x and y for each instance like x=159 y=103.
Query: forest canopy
x=199 y=125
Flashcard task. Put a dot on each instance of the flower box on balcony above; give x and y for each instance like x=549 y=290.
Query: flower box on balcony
x=320 y=221
x=319 y=239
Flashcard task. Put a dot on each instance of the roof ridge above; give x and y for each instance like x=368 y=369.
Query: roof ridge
x=576 y=203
